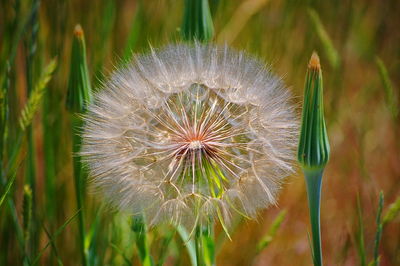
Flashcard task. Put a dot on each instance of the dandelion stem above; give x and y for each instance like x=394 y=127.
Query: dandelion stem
x=314 y=182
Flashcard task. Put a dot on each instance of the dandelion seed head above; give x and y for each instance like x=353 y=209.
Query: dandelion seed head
x=189 y=133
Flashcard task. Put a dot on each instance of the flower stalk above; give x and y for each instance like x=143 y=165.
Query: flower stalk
x=79 y=94
x=313 y=151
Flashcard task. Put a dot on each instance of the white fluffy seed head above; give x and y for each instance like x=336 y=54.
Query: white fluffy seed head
x=188 y=133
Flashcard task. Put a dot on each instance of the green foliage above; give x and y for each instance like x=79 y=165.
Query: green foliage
x=379 y=227
x=55 y=235
x=273 y=229
x=326 y=41
x=390 y=94
x=8 y=186
x=4 y=110
x=197 y=22
x=139 y=228
x=360 y=235
x=204 y=245
x=134 y=33
x=35 y=99
x=189 y=244
x=392 y=212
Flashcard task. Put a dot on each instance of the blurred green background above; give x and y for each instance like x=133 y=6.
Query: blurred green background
x=359 y=45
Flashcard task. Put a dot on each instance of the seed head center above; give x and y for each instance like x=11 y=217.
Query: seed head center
x=195 y=145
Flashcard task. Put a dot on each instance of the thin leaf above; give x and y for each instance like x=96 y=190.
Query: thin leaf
x=9 y=184
x=121 y=252
x=390 y=95
x=392 y=212
x=327 y=44
x=267 y=238
x=189 y=244
x=361 y=245
x=56 y=234
x=379 y=227
x=53 y=246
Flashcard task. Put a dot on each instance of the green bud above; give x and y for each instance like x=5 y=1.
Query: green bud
x=313 y=153
x=197 y=21
x=79 y=89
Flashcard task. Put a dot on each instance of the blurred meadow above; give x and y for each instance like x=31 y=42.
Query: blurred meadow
x=359 y=46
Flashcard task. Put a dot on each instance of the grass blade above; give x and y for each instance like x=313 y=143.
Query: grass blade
x=360 y=238
x=379 y=227
x=239 y=19
x=189 y=244
x=394 y=210
x=139 y=228
x=56 y=234
x=330 y=51
x=9 y=184
x=267 y=238
x=134 y=33
x=53 y=246
x=390 y=95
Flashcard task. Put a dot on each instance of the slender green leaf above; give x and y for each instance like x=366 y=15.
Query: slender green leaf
x=276 y=224
x=189 y=244
x=379 y=227
x=392 y=212
x=390 y=94
x=55 y=235
x=197 y=22
x=326 y=41
x=360 y=238
x=9 y=184
x=53 y=246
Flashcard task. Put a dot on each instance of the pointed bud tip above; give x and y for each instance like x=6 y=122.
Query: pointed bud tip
x=314 y=61
x=78 y=31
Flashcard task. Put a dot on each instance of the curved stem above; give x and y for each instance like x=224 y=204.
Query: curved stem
x=314 y=182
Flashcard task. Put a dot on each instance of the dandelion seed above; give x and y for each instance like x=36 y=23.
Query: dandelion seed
x=189 y=133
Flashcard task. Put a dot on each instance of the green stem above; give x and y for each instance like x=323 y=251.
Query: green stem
x=79 y=185
x=314 y=182
x=198 y=246
x=139 y=228
x=205 y=245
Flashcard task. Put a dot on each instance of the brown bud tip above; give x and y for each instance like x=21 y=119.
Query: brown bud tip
x=314 y=62
x=78 y=31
